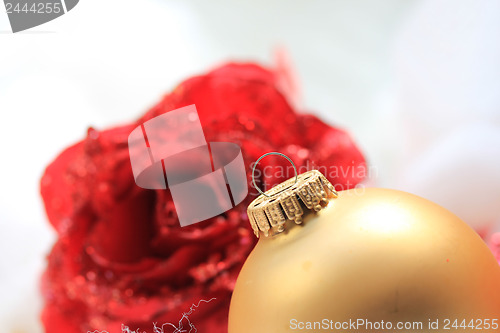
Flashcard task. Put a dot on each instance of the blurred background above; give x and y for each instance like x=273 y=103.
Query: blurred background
x=416 y=83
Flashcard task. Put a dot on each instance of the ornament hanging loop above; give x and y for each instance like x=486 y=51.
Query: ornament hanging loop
x=273 y=153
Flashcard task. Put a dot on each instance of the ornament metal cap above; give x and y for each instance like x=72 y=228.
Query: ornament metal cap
x=269 y=212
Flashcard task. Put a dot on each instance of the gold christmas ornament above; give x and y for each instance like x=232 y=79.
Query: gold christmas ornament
x=362 y=260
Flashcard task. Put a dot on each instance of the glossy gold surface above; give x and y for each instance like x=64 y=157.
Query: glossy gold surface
x=375 y=255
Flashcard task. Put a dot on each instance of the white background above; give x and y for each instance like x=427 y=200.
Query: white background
x=416 y=83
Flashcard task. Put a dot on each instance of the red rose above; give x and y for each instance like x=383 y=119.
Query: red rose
x=121 y=255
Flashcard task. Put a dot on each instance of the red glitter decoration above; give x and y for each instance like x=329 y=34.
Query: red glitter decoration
x=121 y=256
x=495 y=245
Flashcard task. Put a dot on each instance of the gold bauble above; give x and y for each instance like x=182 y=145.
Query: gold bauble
x=371 y=254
